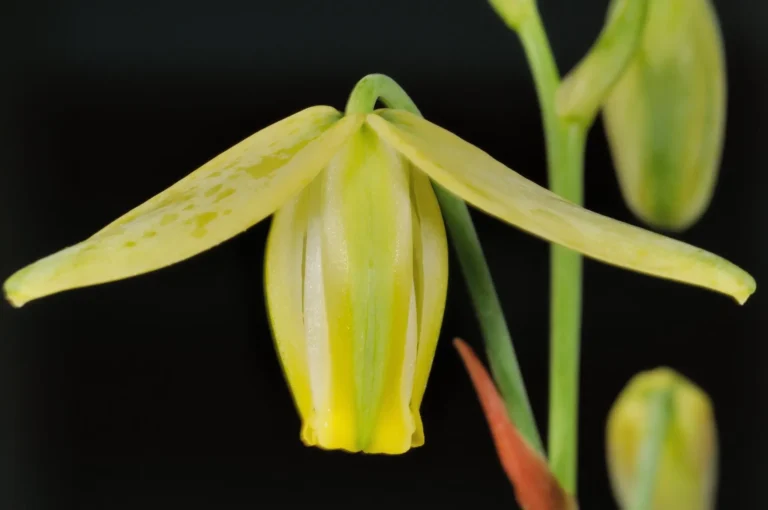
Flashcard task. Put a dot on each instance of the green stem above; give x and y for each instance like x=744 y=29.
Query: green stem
x=375 y=87
x=565 y=158
x=650 y=450
x=546 y=79
x=565 y=334
x=498 y=342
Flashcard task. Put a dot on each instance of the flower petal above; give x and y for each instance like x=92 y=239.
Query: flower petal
x=430 y=272
x=283 y=263
x=479 y=179
x=222 y=198
x=368 y=268
x=316 y=326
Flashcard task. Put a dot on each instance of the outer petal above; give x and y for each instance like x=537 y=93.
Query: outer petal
x=484 y=182
x=368 y=270
x=430 y=271
x=219 y=200
x=283 y=284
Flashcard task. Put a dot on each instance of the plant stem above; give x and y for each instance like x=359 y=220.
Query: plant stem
x=493 y=326
x=565 y=331
x=650 y=450
x=565 y=158
x=498 y=342
x=374 y=87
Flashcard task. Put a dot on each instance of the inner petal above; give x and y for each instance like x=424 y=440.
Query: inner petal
x=315 y=318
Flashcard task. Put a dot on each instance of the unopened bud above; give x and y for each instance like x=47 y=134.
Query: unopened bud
x=686 y=464
x=665 y=117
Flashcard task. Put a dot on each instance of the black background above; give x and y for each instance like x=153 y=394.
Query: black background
x=164 y=391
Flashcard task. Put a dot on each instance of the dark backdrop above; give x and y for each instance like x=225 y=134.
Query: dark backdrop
x=164 y=391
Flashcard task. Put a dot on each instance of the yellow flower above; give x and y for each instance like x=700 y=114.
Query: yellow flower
x=665 y=118
x=685 y=477
x=356 y=264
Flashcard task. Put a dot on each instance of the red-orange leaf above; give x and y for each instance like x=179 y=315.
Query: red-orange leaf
x=535 y=486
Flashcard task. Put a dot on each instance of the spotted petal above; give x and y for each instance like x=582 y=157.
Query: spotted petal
x=479 y=179
x=219 y=200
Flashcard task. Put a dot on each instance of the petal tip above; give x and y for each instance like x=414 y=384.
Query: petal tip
x=749 y=289
x=745 y=287
x=12 y=289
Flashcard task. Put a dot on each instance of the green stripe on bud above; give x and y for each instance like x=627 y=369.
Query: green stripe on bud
x=683 y=446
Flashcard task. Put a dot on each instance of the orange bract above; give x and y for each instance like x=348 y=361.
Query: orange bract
x=535 y=486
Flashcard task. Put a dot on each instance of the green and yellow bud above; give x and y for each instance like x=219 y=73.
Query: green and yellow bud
x=686 y=466
x=665 y=117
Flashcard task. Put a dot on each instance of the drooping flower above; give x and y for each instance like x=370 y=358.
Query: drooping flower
x=686 y=472
x=356 y=264
x=665 y=118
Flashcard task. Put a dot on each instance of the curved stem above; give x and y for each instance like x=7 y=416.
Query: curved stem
x=582 y=92
x=375 y=87
x=498 y=342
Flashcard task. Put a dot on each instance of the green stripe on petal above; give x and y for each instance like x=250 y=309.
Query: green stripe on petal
x=368 y=268
x=479 y=179
x=221 y=199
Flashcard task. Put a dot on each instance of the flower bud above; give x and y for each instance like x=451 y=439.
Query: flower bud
x=686 y=469
x=665 y=117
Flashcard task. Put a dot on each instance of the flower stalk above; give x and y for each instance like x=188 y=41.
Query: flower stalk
x=565 y=141
x=568 y=109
